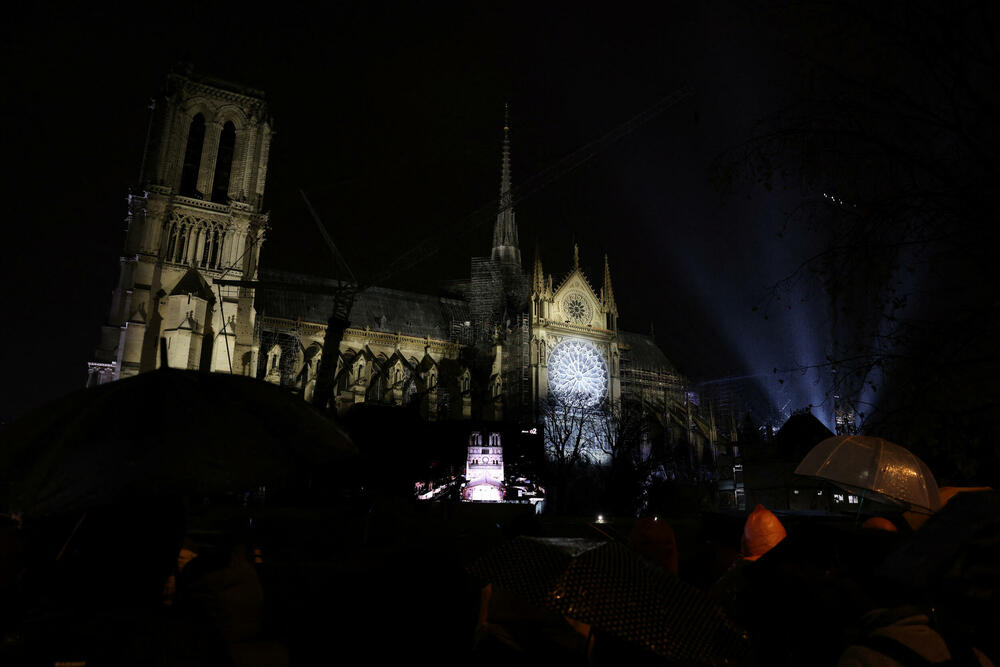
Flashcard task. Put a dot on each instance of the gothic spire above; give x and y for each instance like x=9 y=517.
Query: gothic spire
x=538 y=278
x=505 y=160
x=607 y=293
x=505 y=245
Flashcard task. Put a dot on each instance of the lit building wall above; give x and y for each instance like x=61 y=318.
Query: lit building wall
x=198 y=216
x=484 y=469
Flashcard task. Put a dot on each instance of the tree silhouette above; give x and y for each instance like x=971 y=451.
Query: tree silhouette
x=890 y=149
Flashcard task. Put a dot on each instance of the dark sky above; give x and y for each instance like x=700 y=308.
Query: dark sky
x=390 y=118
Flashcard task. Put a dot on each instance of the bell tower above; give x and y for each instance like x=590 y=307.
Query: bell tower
x=197 y=215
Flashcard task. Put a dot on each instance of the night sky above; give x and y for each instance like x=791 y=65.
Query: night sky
x=390 y=118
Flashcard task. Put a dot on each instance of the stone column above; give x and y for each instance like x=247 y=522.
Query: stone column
x=174 y=146
x=238 y=259
x=209 y=152
x=192 y=245
x=199 y=250
x=261 y=165
x=225 y=243
x=237 y=179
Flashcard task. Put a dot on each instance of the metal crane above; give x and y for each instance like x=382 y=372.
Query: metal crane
x=343 y=292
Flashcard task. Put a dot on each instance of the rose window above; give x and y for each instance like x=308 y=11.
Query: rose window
x=577 y=307
x=578 y=372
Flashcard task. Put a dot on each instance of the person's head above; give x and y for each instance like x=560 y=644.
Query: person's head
x=761 y=533
x=879 y=523
x=860 y=559
x=653 y=539
x=130 y=548
x=803 y=599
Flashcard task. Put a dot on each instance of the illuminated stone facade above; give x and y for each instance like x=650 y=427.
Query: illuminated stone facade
x=574 y=335
x=484 y=350
x=199 y=216
x=400 y=348
x=484 y=469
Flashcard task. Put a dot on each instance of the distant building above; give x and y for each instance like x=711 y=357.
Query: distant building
x=731 y=487
x=484 y=470
x=769 y=470
x=728 y=398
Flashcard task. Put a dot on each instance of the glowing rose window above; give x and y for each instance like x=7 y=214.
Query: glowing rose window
x=577 y=371
x=577 y=307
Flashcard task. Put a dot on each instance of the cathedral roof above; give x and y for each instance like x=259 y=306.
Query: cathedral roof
x=378 y=308
x=645 y=354
x=799 y=434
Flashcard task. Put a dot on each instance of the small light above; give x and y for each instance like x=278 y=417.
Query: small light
x=656 y=518
x=600 y=518
x=795 y=491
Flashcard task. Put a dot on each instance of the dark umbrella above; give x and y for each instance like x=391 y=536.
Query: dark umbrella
x=164 y=432
x=607 y=586
x=953 y=563
x=962 y=539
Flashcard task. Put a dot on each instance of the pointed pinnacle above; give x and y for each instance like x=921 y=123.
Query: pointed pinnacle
x=539 y=276
x=608 y=292
x=505 y=181
x=505 y=243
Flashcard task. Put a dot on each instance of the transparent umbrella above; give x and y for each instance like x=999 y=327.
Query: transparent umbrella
x=874 y=467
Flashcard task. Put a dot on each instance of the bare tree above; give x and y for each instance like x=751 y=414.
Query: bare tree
x=568 y=429
x=889 y=149
x=598 y=444
x=569 y=445
x=618 y=431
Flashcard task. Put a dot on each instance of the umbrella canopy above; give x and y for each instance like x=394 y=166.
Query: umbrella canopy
x=607 y=586
x=167 y=431
x=873 y=466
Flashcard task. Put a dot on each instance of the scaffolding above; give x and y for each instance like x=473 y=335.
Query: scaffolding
x=516 y=370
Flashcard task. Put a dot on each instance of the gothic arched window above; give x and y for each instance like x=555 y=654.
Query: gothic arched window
x=224 y=164
x=344 y=379
x=205 y=234
x=181 y=245
x=376 y=389
x=272 y=358
x=213 y=261
x=171 y=241
x=192 y=157
x=409 y=389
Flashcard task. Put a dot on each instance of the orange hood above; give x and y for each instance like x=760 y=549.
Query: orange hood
x=761 y=533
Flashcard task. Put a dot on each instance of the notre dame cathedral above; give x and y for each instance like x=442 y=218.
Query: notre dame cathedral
x=491 y=346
